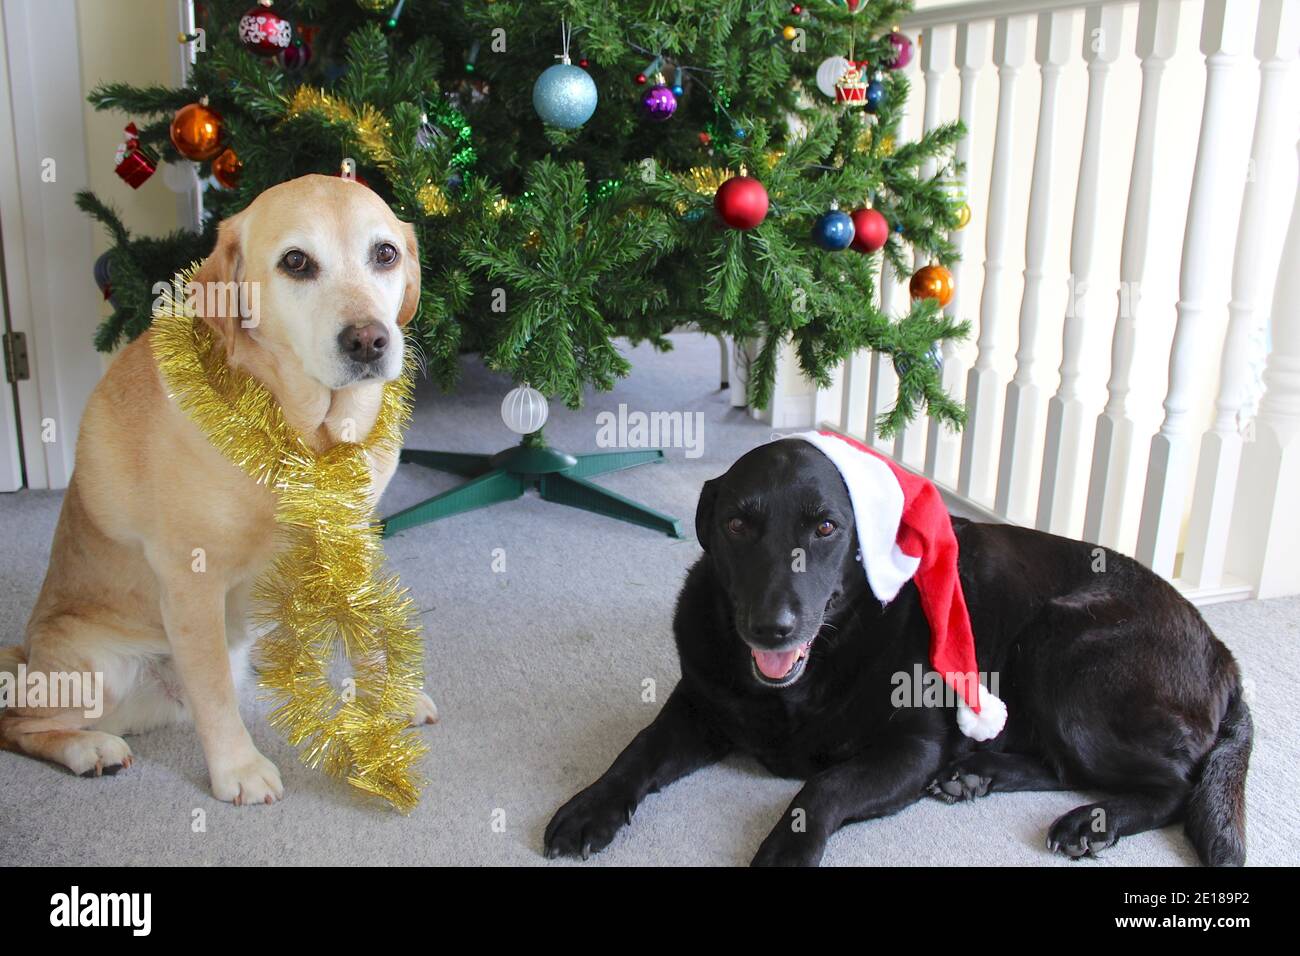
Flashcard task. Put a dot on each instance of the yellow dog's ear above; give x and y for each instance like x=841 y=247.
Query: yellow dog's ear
x=411 y=299
x=216 y=292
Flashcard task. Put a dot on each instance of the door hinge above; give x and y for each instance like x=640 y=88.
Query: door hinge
x=16 y=366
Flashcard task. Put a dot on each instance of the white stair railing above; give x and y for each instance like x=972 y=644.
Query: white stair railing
x=1226 y=34
x=1265 y=532
x=1114 y=486
x=943 y=447
x=1068 y=422
x=1276 y=43
x=1222 y=524
x=985 y=386
x=1022 y=419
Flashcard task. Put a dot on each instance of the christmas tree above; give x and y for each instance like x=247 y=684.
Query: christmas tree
x=563 y=162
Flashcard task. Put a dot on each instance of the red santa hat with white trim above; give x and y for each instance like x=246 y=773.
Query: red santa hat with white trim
x=905 y=533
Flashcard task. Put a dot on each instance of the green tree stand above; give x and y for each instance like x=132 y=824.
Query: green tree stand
x=557 y=476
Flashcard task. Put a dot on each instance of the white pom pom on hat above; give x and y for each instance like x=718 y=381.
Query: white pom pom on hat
x=905 y=533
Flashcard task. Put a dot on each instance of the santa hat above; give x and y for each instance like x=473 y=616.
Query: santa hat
x=905 y=533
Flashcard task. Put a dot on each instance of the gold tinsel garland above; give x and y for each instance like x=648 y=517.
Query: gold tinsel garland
x=368 y=125
x=371 y=130
x=326 y=590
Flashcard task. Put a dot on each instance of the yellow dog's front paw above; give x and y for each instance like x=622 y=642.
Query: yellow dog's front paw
x=426 y=712
x=248 y=780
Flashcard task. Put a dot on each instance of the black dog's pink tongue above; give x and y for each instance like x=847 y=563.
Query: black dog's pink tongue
x=774 y=664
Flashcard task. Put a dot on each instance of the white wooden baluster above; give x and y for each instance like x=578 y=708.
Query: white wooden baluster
x=1115 y=481
x=1065 y=447
x=1264 y=542
x=884 y=380
x=742 y=352
x=936 y=57
x=1254 y=265
x=943 y=450
x=1226 y=34
x=984 y=391
x=854 y=382
x=1022 y=420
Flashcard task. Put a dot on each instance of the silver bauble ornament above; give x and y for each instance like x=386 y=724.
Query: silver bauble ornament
x=831 y=69
x=524 y=410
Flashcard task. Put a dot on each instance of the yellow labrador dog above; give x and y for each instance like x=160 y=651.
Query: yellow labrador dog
x=336 y=277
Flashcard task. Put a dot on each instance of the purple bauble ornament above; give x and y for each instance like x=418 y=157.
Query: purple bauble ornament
x=659 y=103
x=902 y=50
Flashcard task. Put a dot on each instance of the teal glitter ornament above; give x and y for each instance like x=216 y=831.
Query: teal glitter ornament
x=564 y=95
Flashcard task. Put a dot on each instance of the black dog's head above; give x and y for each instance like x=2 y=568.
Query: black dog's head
x=779 y=528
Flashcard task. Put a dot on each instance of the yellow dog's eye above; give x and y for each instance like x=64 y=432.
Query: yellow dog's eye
x=295 y=260
x=386 y=254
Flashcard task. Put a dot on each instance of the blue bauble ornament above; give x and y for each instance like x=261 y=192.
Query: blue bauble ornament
x=934 y=358
x=564 y=96
x=833 y=230
x=875 y=95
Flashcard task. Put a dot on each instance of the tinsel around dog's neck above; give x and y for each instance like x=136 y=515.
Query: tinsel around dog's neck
x=326 y=593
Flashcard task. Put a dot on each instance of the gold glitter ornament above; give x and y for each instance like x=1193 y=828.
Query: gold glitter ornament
x=433 y=201
x=326 y=594
x=705 y=180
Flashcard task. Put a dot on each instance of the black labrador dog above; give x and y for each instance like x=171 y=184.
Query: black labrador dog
x=1112 y=680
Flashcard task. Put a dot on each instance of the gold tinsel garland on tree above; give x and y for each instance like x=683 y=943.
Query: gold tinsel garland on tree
x=326 y=591
x=371 y=130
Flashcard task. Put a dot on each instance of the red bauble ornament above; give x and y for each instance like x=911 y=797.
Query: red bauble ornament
x=640 y=79
x=196 y=132
x=933 y=282
x=295 y=56
x=705 y=138
x=870 y=230
x=902 y=50
x=263 y=31
x=796 y=9
x=583 y=63
x=741 y=202
x=226 y=169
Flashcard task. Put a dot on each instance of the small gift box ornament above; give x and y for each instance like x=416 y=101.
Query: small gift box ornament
x=134 y=163
x=851 y=87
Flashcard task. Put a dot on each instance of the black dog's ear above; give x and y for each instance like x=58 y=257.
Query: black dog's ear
x=704 y=512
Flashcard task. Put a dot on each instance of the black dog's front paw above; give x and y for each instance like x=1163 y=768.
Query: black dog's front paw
x=785 y=846
x=1084 y=831
x=587 y=823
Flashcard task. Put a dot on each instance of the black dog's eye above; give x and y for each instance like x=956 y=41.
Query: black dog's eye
x=386 y=253
x=295 y=261
x=825 y=528
x=736 y=525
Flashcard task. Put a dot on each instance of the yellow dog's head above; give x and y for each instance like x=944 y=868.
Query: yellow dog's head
x=316 y=271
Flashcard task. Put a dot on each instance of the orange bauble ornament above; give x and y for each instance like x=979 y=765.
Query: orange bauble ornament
x=196 y=132
x=933 y=282
x=226 y=169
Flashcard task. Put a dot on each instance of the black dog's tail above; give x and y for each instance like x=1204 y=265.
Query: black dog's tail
x=1216 y=810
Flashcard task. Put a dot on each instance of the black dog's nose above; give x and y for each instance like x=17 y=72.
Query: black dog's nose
x=774 y=628
x=363 y=343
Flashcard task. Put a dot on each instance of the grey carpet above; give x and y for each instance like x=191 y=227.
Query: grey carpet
x=538 y=673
